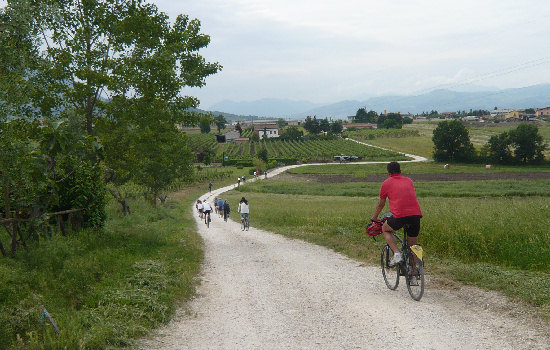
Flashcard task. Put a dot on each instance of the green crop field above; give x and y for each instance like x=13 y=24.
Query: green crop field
x=310 y=150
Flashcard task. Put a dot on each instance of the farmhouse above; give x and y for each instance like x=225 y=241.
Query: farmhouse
x=541 y=112
x=269 y=130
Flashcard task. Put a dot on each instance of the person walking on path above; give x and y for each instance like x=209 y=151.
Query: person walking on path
x=403 y=205
x=219 y=205
x=226 y=210
x=210 y=187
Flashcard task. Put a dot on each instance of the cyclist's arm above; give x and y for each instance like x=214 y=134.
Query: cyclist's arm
x=379 y=207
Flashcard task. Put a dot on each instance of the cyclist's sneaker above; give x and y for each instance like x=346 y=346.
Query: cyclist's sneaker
x=397 y=258
x=413 y=281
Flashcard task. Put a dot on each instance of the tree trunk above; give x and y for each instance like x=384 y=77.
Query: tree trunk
x=13 y=240
x=7 y=197
x=125 y=207
x=2 y=249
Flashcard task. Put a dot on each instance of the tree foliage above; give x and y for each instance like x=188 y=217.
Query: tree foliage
x=499 y=148
x=96 y=51
x=263 y=155
x=292 y=133
x=311 y=125
x=390 y=121
x=204 y=124
x=239 y=128
x=336 y=127
x=521 y=145
x=452 y=142
x=220 y=122
x=529 y=145
x=324 y=125
x=362 y=116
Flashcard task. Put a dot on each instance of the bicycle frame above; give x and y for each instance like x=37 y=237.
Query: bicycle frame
x=411 y=267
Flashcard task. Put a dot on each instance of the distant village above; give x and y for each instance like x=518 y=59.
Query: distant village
x=273 y=128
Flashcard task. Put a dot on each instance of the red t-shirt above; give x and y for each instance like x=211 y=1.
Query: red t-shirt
x=400 y=191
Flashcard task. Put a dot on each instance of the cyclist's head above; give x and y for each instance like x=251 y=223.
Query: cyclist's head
x=394 y=168
x=243 y=200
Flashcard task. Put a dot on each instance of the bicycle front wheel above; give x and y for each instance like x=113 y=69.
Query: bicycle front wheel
x=415 y=276
x=390 y=272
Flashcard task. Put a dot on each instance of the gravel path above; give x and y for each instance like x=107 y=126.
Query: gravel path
x=260 y=290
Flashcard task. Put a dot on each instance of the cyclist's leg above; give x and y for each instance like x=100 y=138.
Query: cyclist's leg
x=390 y=239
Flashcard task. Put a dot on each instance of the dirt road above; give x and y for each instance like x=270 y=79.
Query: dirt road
x=260 y=290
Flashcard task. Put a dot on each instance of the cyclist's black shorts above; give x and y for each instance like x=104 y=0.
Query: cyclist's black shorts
x=411 y=224
x=207 y=211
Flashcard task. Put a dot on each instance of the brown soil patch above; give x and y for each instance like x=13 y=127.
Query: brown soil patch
x=422 y=177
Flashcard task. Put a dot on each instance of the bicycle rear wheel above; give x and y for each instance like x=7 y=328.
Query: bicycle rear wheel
x=390 y=272
x=415 y=276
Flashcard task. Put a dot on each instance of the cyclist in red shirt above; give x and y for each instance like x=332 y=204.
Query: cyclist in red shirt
x=403 y=205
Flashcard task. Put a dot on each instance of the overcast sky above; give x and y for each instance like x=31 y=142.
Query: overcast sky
x=332 y=50
x=328 y=51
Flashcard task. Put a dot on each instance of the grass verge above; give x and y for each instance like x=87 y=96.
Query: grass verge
x=103 y=288
x=495 y=243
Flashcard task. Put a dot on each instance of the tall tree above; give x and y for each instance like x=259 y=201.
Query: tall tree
x=204 y=124
x=390 y=121
x=499 y=148
x=324 y=125
x=362 y=116
x=292 y=133
x=452 y=142
x=220 y=122
x=311 y=125
x=336 y=127
x=529 y=145
x=239 y=128
x=96 y=50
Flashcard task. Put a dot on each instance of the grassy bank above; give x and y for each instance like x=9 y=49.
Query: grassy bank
x=103 y=288
x=485 y=188
x=493 y=242
x=360 y=170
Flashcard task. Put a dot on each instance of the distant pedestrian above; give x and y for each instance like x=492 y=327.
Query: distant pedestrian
x=265 y=174
x=244 y=179
x=210 y=187
x=238 y=181
x=226 y=210
x=219 y=205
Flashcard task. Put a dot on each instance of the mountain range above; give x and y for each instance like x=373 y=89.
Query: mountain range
x=442 y=100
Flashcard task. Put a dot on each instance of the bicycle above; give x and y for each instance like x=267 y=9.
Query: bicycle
x=207 y=219
x=411 y=267
x=245 y=222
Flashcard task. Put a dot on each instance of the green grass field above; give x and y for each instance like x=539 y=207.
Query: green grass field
x=360 y=170
x=419 y=141
x=493 y=234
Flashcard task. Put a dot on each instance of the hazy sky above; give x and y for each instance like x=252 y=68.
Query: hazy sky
x=327 y=51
